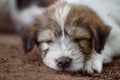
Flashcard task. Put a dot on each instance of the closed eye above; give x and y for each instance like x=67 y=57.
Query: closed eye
x=77 y=40
x=49 y=41
x=80 y=39
x=45 y=41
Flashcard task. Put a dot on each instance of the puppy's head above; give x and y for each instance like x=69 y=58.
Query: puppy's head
x=67 y=35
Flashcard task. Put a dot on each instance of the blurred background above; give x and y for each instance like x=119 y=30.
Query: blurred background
x=6 y=24
x=11 y=12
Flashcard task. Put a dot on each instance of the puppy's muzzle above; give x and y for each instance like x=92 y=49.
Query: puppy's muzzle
x=63 y=62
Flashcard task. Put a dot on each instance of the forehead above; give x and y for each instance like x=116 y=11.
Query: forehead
x=65 y=18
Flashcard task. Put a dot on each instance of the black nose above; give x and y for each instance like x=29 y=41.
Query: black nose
x=64 y=62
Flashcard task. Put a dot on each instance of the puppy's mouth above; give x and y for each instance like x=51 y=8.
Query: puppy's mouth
x=44 y=53
x=63 y=69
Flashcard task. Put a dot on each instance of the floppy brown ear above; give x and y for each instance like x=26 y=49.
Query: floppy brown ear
x=100 y=34
x=29 y=38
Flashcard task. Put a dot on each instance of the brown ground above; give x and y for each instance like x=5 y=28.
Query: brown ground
x=15 y=65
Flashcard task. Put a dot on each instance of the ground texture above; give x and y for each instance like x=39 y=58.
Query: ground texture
x=15 y=65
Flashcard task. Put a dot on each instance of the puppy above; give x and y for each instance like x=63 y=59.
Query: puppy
x=75 y=35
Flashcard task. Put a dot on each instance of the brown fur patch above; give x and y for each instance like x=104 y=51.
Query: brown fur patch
x=49 y=27
x=82 y=16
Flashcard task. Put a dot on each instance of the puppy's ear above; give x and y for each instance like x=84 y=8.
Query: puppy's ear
x=29 y=38
x=100 y=34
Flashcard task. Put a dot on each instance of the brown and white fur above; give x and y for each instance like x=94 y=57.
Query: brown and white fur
x=75 y=35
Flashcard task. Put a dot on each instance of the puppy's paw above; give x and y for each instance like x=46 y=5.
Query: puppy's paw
x=94 y=64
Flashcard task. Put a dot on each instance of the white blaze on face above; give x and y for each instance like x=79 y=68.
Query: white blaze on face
x=61 y=16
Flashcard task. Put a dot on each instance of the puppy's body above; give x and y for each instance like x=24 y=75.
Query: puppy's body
x=75 y=35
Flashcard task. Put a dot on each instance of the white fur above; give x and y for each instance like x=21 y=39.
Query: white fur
x=61 y=15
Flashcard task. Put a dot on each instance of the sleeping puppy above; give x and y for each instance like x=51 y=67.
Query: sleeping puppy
x=75 y=35
x=24 y=12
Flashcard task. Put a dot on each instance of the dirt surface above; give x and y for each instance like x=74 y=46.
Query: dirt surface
x=15 y=65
